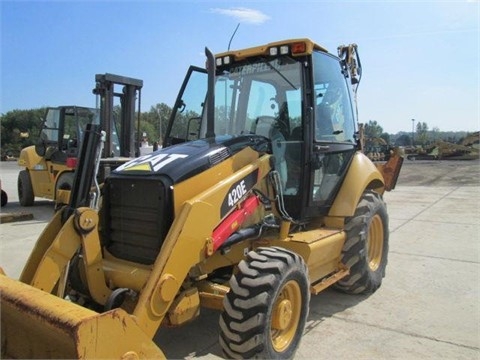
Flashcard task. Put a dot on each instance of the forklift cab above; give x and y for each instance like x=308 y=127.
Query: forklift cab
x=62 y=131
x=49 y=165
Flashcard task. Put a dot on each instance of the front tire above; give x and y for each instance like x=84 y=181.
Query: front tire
x=267 y=306
x=25 y=189
x=366 y=249
x=64 y=182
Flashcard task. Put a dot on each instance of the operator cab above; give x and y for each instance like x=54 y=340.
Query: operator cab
x=296 y=94
x=62 y=131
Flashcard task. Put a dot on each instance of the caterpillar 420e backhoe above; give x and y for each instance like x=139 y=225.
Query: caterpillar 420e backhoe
x=260 y=197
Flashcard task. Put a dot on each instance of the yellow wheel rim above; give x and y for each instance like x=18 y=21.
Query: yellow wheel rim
x=375 y=243
x=285 y=316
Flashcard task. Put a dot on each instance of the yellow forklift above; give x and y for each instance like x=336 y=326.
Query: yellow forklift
x=48 y=166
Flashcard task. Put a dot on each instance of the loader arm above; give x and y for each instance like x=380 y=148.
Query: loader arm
x=77 y=233
x=189 y=241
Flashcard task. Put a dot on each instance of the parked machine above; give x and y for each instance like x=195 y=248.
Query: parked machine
x=261 y=198
x=49 y=166
x=4 y=197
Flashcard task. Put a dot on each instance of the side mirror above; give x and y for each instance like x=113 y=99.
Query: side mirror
x=193 y=128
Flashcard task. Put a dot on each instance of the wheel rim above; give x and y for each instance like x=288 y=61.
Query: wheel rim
x=285 y=316
x=375 y=243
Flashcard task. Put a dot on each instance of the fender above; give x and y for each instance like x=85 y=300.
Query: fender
x=361 y=175
x=29 y=158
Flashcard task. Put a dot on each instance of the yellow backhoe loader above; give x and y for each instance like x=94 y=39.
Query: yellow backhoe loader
x=260 y=197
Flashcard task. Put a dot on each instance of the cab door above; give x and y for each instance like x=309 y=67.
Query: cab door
x=333 y=140
x=186 y=118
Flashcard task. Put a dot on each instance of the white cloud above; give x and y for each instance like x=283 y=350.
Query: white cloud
x=243 y=15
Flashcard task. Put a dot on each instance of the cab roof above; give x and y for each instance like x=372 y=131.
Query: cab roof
x=264 y=50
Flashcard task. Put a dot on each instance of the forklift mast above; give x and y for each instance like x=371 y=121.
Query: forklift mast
x=105 y=88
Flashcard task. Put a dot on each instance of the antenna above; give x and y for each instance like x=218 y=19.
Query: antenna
x=230 y=42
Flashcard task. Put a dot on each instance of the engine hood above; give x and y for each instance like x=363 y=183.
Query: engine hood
x=182 y=161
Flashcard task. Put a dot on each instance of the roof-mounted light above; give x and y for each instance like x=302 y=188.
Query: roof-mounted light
x=284 y=50
x=299 y=48
x=279 y=50
x=273 y=51
x=226 y=60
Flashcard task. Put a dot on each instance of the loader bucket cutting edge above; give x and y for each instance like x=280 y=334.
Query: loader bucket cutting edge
x=35 y=324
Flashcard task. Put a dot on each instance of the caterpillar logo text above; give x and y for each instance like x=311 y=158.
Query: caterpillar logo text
x=150 y=162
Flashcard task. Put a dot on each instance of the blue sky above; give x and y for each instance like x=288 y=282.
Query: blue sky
x=421 y=60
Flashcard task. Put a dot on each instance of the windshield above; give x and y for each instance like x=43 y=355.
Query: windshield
x=334 y=120
x=76 y=120
x=64 y=126
x=51 y=126
x=251 y=98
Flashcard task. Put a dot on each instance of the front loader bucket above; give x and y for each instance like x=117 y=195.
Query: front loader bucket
x=35 y=324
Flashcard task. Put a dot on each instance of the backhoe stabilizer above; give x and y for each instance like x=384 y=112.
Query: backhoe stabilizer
x=391 y=169
x=57 y=328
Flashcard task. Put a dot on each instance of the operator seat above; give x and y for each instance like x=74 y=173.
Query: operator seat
x=268 y=126
x=293 y=156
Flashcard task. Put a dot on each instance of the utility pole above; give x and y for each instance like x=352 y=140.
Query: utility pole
x=413 y=132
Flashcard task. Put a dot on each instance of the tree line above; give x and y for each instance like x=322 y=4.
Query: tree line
x=21 y=128
x=422 y=136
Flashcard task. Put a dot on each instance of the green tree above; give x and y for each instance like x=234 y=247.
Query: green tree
x=386 y=136
x=20 y=128
x=373 y=129
x=403 y=140
x=434 y=134
x=157 y=117
x=148 y=129
x=422 y=133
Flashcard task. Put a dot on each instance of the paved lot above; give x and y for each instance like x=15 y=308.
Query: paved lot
x=427 y=308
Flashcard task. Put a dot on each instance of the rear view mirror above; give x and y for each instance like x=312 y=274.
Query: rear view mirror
x=193 y=128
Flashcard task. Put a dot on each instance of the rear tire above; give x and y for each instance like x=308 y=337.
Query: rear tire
x=267 y=306
x=25 y=189
x=366 y=249
x=4 y=198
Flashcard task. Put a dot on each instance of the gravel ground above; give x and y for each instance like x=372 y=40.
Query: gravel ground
x=427 y=307
x=440 y=173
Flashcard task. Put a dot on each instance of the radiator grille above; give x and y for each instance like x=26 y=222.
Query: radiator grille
x=137 y=217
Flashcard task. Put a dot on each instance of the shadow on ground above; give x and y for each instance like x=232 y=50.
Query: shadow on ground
x=200 y=337
x=43 y=210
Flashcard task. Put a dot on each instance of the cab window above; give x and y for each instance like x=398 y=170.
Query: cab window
x=334 y=119
x=334 y=133
x=51 y=126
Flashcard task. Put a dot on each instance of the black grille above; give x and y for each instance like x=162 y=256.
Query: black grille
x=137 y=215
